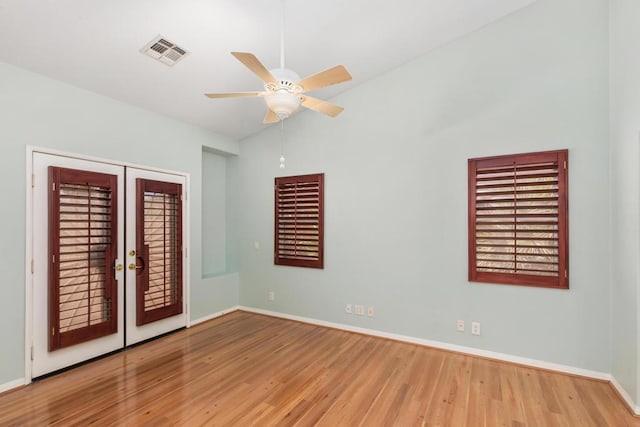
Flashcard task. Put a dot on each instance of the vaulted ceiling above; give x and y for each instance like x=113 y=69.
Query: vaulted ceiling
x=96 y=46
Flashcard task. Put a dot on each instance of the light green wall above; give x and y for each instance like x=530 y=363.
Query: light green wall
x=625 y=192
x=396 y=189
x=214 y=214
x=42 y=112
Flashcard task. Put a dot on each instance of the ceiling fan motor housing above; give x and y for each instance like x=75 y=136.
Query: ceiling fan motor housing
x=284 y=97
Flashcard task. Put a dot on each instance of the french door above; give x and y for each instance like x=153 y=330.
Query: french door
x=154 y=254
x=107 y=258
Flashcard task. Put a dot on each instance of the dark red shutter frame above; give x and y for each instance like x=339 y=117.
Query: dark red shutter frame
x=83 y=230
x=158 y=281
x=518 y=219
x=299 y=221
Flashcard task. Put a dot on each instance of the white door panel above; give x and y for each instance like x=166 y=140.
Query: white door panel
x=45 y=361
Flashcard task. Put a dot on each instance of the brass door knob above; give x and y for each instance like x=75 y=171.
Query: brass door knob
x=132 y=253
x=119 y=267
x=132 y=266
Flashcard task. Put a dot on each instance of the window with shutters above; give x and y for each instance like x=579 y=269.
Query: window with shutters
x=518 y=219
x=82 y=248
x=299 y=221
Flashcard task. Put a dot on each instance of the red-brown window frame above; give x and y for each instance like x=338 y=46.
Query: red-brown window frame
x=560 y=158
x=294 y=261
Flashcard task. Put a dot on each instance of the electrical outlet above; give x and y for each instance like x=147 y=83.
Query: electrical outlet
x=475 y=328
x=348 y=309
x=460 y=325
x=371 y=311
x=272 y=296
x=359 y=310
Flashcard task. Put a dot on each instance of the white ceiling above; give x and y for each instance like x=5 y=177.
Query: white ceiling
x=95 y=45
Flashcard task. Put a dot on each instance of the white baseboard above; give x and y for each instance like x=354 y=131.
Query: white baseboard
x=624 y=395
x=12 y=384
x=440 y=345
x=213 y=316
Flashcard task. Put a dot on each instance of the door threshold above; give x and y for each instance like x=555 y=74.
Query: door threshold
x=103 y=356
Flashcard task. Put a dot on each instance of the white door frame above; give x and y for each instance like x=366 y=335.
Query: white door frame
x=28 y=265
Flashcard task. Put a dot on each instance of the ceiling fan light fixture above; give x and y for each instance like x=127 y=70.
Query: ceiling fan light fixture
x=283 y=103
x=283 y=97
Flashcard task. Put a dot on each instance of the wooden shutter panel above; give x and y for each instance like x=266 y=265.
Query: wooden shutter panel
x=158 y=250
x=518 y=231
x=299 y=221
x=82 y=249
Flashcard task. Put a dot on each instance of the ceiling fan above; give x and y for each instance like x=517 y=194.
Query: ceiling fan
x=284 y=91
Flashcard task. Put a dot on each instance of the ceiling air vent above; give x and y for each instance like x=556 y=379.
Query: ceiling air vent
x=164 y=51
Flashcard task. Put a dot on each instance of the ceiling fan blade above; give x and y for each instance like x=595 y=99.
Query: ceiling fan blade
x=234 y=95
x=321 y=106
x=271 y=117
x=332 y=76
x=252 y=63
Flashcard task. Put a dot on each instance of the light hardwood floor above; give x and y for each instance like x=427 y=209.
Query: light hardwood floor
x=247 y=369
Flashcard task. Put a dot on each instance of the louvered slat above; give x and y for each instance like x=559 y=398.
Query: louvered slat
x=517 y=219
x=83 y=207
x=299 y=221
x=160 y=227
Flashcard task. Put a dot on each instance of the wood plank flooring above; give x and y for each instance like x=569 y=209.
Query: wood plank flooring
x=246 y=369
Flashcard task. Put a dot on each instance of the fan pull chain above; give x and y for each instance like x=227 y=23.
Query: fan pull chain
x=282 y=144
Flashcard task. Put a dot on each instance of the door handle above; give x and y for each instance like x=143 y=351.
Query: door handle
x=119 y=267
x=132 y=266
